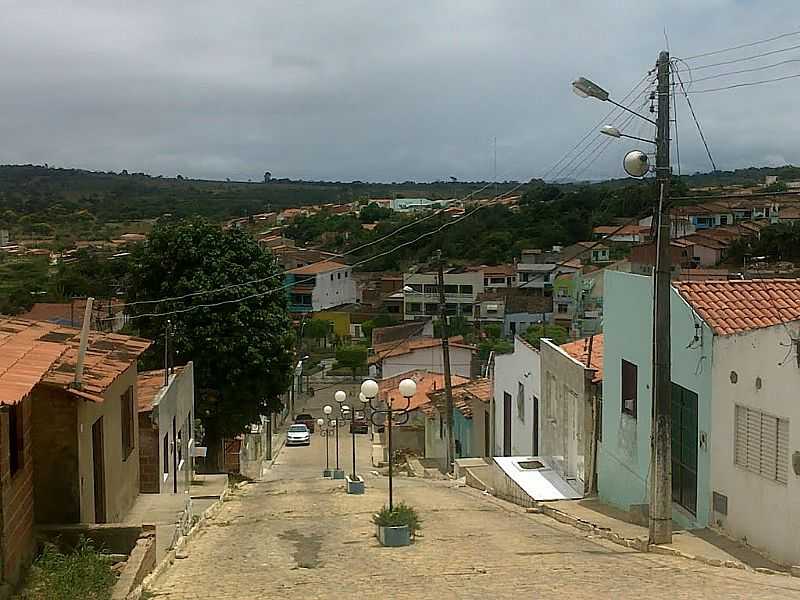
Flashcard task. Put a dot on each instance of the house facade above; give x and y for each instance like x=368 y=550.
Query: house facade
x=572 y=376
x=471 y=420
x=320 y=286
x=166 y=430
x=423 y=353
x=461 y=288
x=514 y=409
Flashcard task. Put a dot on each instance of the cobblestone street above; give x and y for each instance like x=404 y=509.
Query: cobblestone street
x=298 y=535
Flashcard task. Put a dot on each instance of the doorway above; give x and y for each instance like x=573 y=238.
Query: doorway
x=684 y=448
x=98 y=472
x=506 y=424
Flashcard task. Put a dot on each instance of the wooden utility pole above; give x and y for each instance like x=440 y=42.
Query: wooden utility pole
x=448 y=390
x=660 y=530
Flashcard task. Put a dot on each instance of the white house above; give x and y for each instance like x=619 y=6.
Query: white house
x=319 y=286
x=420 y=354
x=515 y=401
x=461 y=288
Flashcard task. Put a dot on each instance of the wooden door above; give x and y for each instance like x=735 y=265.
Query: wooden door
x=99 y=472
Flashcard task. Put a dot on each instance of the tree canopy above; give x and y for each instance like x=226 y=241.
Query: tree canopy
x=535 y=333
x=242 y=351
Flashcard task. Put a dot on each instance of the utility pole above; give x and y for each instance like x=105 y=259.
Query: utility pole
x=448 y=390
x=660 y=530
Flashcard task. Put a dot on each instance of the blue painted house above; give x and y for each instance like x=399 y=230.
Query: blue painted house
x=624 y=453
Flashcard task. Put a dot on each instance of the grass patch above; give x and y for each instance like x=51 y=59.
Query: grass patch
x=83 y=574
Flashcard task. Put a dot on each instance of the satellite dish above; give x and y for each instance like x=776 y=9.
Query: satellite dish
x=636 y=164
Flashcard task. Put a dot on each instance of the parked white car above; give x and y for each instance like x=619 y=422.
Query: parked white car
x=298 y=435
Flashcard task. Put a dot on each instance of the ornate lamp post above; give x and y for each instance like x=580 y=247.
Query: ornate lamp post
x=407 y=387
x=340 y=397
x=323 y=429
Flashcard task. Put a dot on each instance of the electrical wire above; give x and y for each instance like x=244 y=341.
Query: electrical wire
x=748 y=84
x=696 y=121
x=744 y=58
x=753 y=70
x=740 y=46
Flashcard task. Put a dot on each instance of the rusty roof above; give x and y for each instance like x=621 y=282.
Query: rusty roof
x=738 y=306
x=25 y=356
x=149 y=384
x=579 y=350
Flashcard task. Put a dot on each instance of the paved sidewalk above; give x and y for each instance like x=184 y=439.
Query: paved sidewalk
x=703 y=543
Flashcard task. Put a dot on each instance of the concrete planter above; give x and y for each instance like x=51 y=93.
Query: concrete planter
x=355 y=486
x=393 y=537
x=328 y=473
x=338 y=473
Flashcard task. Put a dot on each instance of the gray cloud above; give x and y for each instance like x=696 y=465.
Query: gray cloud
x=357 y=89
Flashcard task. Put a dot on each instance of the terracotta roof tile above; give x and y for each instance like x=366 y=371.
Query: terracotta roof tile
x=148 y=385
x=579 y=350
x=463 y=395
x=383 y=351
x=319 y=267
x=24 y=357
x=736 y=306
x=427 y=383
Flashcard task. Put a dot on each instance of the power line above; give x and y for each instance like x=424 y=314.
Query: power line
x=740 y=46
x=694 y=116
x=745 y=58
x=738 y=85
x=753 y=70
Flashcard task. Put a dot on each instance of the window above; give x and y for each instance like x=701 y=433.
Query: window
x=450 y=289
x=486 y=281
x=465 y=289
x=498 y=280
x=441 y=427
x=466 y=309
x=451 y=309
x=562 y=308
x=339 y=275
x=629 y=388
x=723 y=220
x=179 y=448
x=127 y=412
x=431 y=308
x=761 y=444
x=521 y=402
x=414 y=308
x=524 y=277
x=430 y=288
x=331 y=276
x=16 y=440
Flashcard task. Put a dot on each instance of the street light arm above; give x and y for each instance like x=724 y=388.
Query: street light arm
x=633 y=137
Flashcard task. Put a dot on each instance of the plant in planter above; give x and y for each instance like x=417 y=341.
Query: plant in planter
x=396 y=526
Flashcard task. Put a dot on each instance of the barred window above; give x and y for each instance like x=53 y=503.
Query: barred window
x=761 y=444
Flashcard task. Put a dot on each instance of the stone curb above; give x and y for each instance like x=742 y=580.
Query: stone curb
x=641 y=544
x=172 y=554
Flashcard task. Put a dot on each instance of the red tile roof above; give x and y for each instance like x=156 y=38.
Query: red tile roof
x=24 y=357
x=383 y=351
x=149 y=384
x=463 y=395
x=324 y=266
x=426 y=383
x=737 y=306
x=579 y=350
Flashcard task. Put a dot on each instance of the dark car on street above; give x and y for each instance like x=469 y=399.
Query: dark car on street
x=359 y=423
x=307 y=420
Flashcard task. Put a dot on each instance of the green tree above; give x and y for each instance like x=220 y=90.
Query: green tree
x=496 y=345
x=372 y=213
x=379 y=320
x=456 y=326
x=242 y=349
x=535 y=333
x=317 y=329
x=353 y=357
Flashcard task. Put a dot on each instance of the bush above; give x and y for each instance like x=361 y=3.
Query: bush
x=401 y=514
x=84 y=574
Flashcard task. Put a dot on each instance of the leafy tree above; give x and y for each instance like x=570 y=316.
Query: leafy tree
x=535 y=333
x=317 y=329
x=242 y=350
x=379 y=320
x=456 y=326
x=353 y=357
x=778 y=186
x=372 y=213
x=493 y=331
x=496 y=345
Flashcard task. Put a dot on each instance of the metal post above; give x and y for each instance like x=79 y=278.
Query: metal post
x=448 y=391
x=353 y=432
x=327 y=447
x=389 y=443
x=660 y=521
x=337 y=444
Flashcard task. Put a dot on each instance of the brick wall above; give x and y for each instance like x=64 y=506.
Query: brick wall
x=149 y=463
x=55 y=457
x=17 y=499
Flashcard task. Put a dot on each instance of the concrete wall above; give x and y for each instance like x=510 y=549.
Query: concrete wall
x=567 y=422
x=121 y=472
x=624 y=453
x=18 y=543
x=333 y=289
x=175 y=403
x=429 y=359
x=763 y=511
x=55 y=456
x=509 y=371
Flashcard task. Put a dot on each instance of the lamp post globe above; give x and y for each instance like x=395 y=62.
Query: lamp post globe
x=408 y=387
x=369 y=388
x=340 y=396
x=320 y=422
x=363 y=398
x=333 y=422
x=328 y=409
x=636 y=163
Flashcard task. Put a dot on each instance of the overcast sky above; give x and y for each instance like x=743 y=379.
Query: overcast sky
x=375 y=90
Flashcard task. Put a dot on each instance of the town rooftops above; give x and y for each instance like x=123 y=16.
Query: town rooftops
x=389 y=349
x=738 y=306
x=614 y=230
x=324 y=266
x=579 y=350
x=463 y=394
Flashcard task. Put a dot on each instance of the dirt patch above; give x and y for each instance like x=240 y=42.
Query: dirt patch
x=306 y=548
